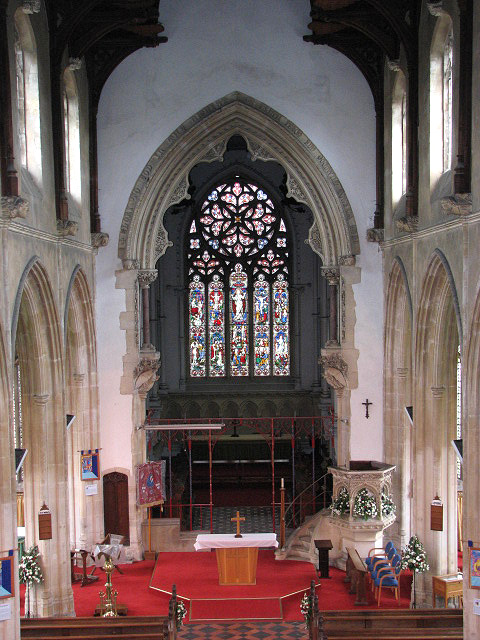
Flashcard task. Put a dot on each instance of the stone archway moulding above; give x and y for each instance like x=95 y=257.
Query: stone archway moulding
x=203 y=138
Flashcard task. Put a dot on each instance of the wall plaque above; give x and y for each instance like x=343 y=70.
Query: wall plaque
x=44 y=523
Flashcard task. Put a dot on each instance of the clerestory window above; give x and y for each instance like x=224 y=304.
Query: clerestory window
x=238 y=279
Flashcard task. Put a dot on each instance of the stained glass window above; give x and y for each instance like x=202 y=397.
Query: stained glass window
x=238 y=252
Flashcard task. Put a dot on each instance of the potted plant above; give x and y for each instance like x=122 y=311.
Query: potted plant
x=364 y=506
x=30 y=572
x=306 y=609
x=341 y=504
x=415 y=559
x=388 y=505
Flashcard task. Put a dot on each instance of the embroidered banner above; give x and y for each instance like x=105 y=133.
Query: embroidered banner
x=151 y=483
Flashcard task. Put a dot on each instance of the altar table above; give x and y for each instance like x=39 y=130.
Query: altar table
x=236 y=557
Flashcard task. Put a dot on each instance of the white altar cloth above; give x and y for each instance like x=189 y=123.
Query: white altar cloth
x=228 y=540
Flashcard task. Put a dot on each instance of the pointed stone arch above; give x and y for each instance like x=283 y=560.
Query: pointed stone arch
x=8 y=530
x=203 y=138
x=37 y=343
x=436 y=346
x=471 y=447
x=81 y=397
x=398 y=390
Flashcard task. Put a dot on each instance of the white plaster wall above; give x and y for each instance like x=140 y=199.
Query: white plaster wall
x=256 y=47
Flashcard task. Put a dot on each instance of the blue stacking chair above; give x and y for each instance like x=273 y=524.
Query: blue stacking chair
x=378 y=562
x=389 y=577
x=374 y=555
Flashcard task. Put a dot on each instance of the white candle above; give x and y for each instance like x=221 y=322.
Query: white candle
x=282 y=485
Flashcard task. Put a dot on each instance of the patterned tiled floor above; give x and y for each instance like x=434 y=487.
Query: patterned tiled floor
x=256 y=519
x=244 y=630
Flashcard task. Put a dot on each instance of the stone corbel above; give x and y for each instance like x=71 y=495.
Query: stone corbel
x=74 y=64
x=14 y=207
x=347 y=261
x=407 y=223
x=335 y=370
x=100 y=239
x=145 y=373
x=375 y=235
x=31 y=6
x=67 y=228
x=436 y=8
x=129 y=264
x=393 y=65
x=459 y=204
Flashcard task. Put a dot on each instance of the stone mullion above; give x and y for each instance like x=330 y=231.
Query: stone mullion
x=333 y=279
x=9 y=176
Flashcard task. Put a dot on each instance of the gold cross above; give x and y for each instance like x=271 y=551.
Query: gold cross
x=238 y=519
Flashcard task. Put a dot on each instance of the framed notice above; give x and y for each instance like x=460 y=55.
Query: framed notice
x=474 y=568
x=89 y=465
x=6 y=576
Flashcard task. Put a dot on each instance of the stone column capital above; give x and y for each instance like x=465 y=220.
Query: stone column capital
x=146 y=277
x=12 y=207
x=332 y=275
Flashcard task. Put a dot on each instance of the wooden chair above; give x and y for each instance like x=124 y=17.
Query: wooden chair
x=110 y=547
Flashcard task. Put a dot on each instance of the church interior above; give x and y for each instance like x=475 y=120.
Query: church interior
x=239 y=240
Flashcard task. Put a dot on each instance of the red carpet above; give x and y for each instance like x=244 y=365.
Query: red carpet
x=283 y=576
x=236 y=609
x=196 y=576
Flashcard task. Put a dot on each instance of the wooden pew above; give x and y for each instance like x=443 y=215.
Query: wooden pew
x=357 y=576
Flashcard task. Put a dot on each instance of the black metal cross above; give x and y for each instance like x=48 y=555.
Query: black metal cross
x=367 y=404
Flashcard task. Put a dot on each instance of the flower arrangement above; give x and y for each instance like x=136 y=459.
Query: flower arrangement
x=341 y=504
x=180 y=613
x=29 y=570
x=388 y=506
x=306 y=609
x=364 y=506
x=414 y=556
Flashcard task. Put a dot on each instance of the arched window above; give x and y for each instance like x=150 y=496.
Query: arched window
x=71 y=136
x=447 y=100
x=238 y=280
x=399 y=139
x=28 y=100
x=441 y=98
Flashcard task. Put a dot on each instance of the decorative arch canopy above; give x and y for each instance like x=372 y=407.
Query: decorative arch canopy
x=203 y=138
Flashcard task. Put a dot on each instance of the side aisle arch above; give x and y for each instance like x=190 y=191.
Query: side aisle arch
x=81 y=397
x=37 y=345
x=203 y=138
x=471 y=447
x=438 y=335
x=398 y=390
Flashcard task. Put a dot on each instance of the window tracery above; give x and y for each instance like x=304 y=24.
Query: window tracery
x=238 y=269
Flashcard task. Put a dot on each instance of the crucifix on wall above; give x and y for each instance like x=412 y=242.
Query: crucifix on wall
x=367 y=404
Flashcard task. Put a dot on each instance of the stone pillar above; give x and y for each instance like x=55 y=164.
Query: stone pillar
x=335 y=373
x=404 y=463
x=145 y=279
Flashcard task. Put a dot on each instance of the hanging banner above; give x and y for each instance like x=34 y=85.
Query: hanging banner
x=151 y=484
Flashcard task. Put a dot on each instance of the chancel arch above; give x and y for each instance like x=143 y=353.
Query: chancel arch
x=38 y=349
x=81 y=400
x=438 y=336
x=398 y=393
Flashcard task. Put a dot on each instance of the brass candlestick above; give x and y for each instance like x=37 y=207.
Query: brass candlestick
x=108 y=598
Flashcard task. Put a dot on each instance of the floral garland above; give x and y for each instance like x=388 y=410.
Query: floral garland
x=341 y=504
x=306 y=609
x=388 y=506
x=180 y=613
x=365 y=506
x=414 y=556
x=29 y=570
